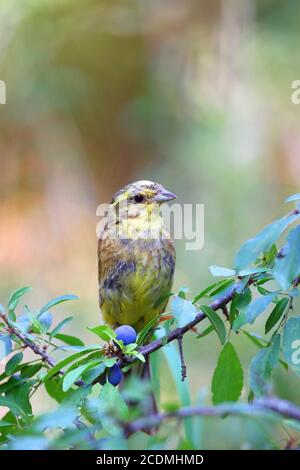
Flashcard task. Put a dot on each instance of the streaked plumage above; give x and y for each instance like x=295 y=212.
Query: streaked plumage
x=135 y=271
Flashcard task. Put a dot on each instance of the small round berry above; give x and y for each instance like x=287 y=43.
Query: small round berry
x=114 y=375
x=127 y=334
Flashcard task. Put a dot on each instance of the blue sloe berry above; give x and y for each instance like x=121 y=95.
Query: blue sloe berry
x=114 y=375
x=127 y=334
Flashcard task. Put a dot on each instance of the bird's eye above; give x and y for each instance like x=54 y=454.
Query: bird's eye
x=138 y=198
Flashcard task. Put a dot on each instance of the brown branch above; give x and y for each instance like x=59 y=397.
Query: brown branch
x=267 y=405
x=12 y=329
x=225 y=311
x=282 y=407
x=29 y=344
x=181 y=355
x=179 y=332
x=176 y=334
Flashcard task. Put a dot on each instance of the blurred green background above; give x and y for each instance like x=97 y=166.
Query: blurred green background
x=193 y=94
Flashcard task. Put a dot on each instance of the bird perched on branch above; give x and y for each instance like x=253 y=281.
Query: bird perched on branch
x=136 y=256
x=136 y=263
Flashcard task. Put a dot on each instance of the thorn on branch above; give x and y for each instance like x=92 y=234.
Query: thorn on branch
x=181 y=354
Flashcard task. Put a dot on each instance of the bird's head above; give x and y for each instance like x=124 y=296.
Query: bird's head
x=143 y=193
x=135 y=210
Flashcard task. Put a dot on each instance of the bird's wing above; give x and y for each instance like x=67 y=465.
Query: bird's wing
x=108 y=251
x=113 y=262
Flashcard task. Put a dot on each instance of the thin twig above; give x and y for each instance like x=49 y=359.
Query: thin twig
x=175 y=334
x=225 y=311
x=182 y=361
x=179 y=332
x=267 y=404
x=27 y=342
x=282 y=407
x=33 y=346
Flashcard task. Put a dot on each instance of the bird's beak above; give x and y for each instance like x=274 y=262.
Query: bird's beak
x=164 y=196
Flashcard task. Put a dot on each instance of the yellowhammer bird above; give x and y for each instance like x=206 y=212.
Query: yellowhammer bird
x=136 y=256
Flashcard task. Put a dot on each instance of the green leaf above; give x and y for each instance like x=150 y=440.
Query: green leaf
x=30 y=370
x=54 y=370
x=57 y=301
x=71 y=377
x=45 y=320
x=227 y=382
x=222 y=288
x=74 y=398
x=261 y=343
x=220 y=271
x=146 y=330
x=13 y=363
x=60 y=326
x=104 y=332
x=130 y=347
x=10 y=384
x=274 y=351
x=291 y=343
x=262 y=365
x=5 y=346
x=138 y=355
x=213 y=289
x=276 y=314
x=16 y=297
x=69 y=339
x=205 y=292
x=253 y=310
x=183 y=310
x=255 y=339
x=72 y=374
x=62 y=418
x=4 y=424
x=206 y=332
x=113 y=401
x=269 y=256
x=239 y=302
x=14 y=407
x=263 y=279
x=294 y=197
x=263 y=291
x=216 y=322
x=233 y=313
x=262 y=242
x=93 y=373
x=183 y=292
x=287 y=266
x=20 y=395
x=243 y=299
x=35 y=324
x=109 y=361
x=54 y=389
x=98 y=354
